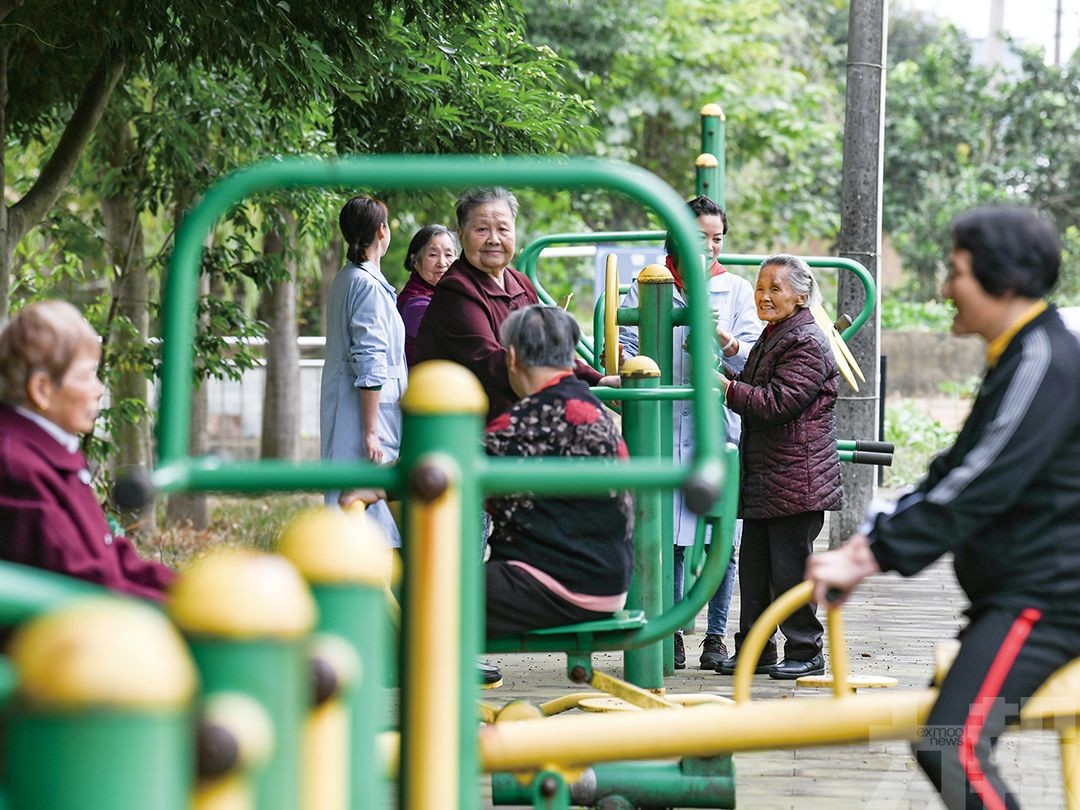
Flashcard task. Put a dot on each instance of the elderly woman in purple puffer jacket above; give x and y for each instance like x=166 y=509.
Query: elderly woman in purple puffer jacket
x=430 y=254
x=785 y=395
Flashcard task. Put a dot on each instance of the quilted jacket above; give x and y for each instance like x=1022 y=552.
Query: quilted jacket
x=785 y=395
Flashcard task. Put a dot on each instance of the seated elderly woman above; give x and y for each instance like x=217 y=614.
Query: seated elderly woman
x=477 y=294
x=556 y=559
x=49 y=395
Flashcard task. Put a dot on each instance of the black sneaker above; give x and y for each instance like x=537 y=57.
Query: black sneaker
x=490 y=676
x=714 y=651
x=680 y=652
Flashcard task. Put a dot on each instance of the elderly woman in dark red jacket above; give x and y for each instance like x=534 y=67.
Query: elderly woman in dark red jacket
x=477 y=294
x=790 y=468
x=49 y=395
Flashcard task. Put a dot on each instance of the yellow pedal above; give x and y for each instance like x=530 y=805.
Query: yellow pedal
x=854 y=682
x=607 y=704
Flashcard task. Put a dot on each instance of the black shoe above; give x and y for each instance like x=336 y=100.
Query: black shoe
x=789 y=670
x=680 y=652
x=765 y=664
x=714 y=651
x=490 y=676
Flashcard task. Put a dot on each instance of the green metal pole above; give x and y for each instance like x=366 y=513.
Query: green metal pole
x=644 y=666
x=713 y=136
x=120 y=732
x=408 y=172
x=348 y=565
x=440 y=454
x=248 y=618
x=550 y=791
x=656 y=289
x=690 y=783
x=706 y=176
x=26 y=592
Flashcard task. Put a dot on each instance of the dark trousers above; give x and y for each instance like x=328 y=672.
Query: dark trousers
x=772 y=559
x=516 y=602
x=1005 y=655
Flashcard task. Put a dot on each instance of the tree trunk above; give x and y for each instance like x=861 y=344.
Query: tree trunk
x=131 y=302
x=53 y=178
x=192 y=508
x=330 y=258
x=860 y=239
x=281 y=396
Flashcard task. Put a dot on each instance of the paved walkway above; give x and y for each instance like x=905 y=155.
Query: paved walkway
x=892 y=627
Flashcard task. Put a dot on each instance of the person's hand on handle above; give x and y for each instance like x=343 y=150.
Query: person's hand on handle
x=835 y=573
x=611 y=381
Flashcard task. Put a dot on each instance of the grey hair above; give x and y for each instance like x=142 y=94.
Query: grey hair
x=800 y=276
x=541 y=336
x=479 y=196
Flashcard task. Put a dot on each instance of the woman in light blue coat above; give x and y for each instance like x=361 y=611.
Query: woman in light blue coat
x=364 y=372
x=731 y=298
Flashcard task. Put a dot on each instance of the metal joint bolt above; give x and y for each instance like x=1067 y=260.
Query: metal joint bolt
x=428 y=481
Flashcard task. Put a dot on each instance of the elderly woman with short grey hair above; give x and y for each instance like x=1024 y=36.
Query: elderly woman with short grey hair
x=555 y=560
x=478 y=293
x=785 y=395
x=50 y=396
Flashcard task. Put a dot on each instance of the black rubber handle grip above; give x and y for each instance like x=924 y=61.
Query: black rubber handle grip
x=863 y=457
x=699 y=494
x=833 y=596
x=874 y=447
x=134 y=490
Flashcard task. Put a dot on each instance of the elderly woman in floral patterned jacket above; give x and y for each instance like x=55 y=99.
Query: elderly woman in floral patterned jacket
x=559 y=559
x=785 y=395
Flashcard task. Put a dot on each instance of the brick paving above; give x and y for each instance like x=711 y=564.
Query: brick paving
x=892 y=626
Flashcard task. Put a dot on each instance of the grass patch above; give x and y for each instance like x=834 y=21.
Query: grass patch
x=918 y=438
x=235 y=522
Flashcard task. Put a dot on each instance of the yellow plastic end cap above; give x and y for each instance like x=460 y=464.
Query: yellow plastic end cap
x=706 y=161
x=102 y=652
x=328 y=545
x=655 y=274
x=640 y=367
x=713 y=111
x=442 y=387
x=237 y=593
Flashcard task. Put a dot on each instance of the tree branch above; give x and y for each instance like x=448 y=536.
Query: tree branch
x=8 y=6
x=28 y=211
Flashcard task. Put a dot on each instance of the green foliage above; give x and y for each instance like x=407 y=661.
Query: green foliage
x=916 y=316
x=1013 y=138
x=650 y=67
x=918 y=438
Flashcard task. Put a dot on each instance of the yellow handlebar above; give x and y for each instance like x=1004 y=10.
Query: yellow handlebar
x=763 y=629
x=611 y=308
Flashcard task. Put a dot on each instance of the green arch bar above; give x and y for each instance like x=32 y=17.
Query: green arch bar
x=176 y=471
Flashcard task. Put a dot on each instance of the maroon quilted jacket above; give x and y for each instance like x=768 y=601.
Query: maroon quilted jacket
x=785 y=395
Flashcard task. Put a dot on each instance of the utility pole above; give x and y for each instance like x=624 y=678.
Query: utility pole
x=860 y=239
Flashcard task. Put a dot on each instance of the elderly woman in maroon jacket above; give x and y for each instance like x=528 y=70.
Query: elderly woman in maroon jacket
x=790 y=468
x=477 y=294
x=49 y=395
x=430 y=254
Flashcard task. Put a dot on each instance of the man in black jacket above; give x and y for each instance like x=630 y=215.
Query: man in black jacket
x=1004 y=499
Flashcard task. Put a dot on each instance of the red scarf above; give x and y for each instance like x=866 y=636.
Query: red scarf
x=716 y=269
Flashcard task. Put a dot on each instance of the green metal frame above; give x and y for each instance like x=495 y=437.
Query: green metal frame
x=176 y=471
x=529 y=261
